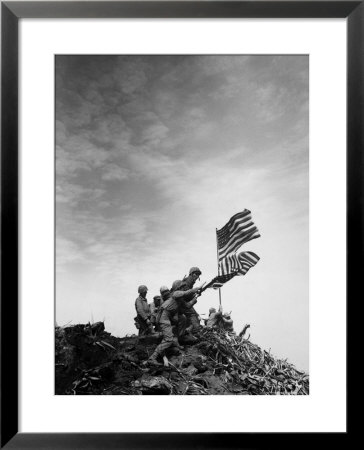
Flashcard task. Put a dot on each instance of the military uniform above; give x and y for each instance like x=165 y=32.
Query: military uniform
x=214 y=320
x=154 y=309
x=192 y=320
x=143 y=316
x=228 y=324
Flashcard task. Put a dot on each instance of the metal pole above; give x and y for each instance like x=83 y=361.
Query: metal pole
x=218 y=265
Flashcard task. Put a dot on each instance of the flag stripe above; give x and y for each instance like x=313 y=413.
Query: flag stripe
x=251 y=257
x=232 y=228
x=238 y=264
x=236 y=217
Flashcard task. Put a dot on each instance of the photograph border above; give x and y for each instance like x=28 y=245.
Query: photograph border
x=11 y=13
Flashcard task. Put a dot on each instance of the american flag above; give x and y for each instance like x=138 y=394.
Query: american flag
x=233 y=266
x=240 y=263
x=220 y=280
x=239 y=230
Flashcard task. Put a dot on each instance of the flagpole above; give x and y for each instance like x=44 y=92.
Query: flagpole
x=218 y=265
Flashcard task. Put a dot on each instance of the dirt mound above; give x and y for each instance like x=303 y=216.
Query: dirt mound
x=90 y=361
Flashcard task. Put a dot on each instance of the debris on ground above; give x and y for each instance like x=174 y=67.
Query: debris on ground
x=90 y=361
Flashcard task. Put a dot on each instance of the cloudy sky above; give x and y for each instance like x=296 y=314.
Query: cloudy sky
x=155 y=152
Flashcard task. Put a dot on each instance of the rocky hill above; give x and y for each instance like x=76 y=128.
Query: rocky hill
x=90 y=361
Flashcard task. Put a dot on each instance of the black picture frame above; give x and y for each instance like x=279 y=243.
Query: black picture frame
x=11 y=12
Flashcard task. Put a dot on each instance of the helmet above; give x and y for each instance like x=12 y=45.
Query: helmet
x=163 y=289
x=157 y=297
x=195 y=270
x=142 y=289
x=212 y=310
x=176 y=285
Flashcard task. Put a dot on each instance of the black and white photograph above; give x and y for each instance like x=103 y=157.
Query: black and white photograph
x=182 y=224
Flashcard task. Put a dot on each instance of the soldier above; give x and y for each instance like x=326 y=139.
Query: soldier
x=214 y=318
x=192 y=317
x=185 y=300
x=168 y=317
x=193 y=275
x=154 y=308
x=143 y=312
x=228 y=323
x=179 y=320
x=220 y=320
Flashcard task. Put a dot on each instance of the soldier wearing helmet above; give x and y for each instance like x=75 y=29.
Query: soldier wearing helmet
x=143 y=312
x=195 y=270
x=165 y=293
x=193 y=275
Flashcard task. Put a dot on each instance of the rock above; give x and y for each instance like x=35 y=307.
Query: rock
x=96 y=328
x=156 y=385
x=217 y=364
x=191 y=370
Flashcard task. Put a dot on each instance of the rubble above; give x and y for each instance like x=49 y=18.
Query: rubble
x=90 y=361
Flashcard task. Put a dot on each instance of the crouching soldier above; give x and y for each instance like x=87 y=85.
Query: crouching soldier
x=143 y=312
x=167 y=318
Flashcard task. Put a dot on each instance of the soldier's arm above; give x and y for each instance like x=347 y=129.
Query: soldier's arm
x=191 y=303
x=184 y=297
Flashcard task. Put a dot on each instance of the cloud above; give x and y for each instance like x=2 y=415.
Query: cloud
x=67 y=252
x=153 y=134
x=113 y=172
x=67 y=165
x=78 y=150
x=73 y=194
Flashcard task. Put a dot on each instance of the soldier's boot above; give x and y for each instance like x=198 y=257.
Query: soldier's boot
x=152 y=361
x=174 y=351
x=189 y=334
x=188 y=338
x=176 y=344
